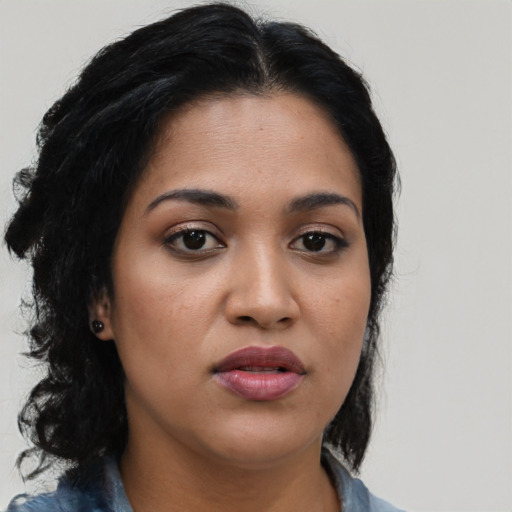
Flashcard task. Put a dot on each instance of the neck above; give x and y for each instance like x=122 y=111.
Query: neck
x=177 y=479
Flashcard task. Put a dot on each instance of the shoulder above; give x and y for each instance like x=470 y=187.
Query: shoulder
x=353 y=493
x=85 y=494
x=58 y=501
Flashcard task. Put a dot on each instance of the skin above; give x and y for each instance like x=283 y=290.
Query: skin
x=176 y=313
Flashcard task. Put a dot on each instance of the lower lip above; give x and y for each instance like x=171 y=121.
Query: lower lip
x=259 y=386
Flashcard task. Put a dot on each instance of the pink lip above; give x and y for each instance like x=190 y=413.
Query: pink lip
x=260 y=373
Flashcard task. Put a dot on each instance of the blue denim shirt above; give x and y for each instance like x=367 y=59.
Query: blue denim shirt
x=101 y=489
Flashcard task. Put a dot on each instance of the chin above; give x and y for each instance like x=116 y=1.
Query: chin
x=261 y=445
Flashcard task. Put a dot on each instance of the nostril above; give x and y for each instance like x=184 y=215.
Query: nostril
x=247 y=319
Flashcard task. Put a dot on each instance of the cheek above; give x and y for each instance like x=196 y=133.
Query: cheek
x=139 y=314
x=340 y=307
x=340 y=316
x=158 y=315
x=150 y=295
x=154 y=346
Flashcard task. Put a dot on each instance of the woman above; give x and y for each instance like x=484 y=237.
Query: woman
x=210 y=224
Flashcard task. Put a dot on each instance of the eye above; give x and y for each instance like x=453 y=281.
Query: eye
x=319 y=242
x=193 y=241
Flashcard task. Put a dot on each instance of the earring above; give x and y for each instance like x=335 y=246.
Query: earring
x=97 y=326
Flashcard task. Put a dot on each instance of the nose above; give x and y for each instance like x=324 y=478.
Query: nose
x=261 y=292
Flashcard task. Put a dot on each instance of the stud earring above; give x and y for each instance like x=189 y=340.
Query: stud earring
x=97 y=326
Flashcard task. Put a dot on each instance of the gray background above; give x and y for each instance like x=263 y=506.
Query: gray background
x=441 y=73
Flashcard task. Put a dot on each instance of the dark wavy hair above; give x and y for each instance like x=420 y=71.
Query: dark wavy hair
x=95 y=142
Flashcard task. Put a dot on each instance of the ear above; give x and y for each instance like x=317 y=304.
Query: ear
x=100 y=309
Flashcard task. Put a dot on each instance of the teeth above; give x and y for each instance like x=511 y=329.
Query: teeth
x=259 y=369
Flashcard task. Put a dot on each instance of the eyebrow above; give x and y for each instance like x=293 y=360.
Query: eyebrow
x=214 y=199
x=196 y=196
x=319 y=200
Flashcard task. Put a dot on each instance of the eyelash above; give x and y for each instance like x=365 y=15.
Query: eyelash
x=339 y=243
x=171 y=240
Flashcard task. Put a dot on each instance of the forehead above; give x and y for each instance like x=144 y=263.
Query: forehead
x=267 y=143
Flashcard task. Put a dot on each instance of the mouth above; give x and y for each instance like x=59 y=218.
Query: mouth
x=260 y=369
x=260 y=373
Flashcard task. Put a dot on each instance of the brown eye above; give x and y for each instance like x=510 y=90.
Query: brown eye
x=314 y=241
x=193 y=240
x=319 y=242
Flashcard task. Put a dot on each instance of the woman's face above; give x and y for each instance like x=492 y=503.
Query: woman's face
x=241 y=281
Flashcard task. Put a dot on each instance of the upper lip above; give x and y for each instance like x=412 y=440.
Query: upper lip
x=265 y=357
